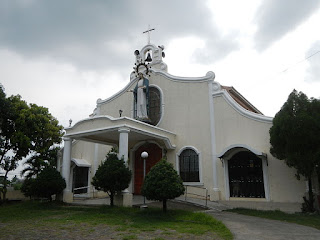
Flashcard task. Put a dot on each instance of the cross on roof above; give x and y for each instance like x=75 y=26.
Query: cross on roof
x=148 y=31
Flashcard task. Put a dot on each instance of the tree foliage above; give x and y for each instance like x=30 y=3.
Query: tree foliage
x=25 y=130
x=162 y=183
x=112 y=176
x=14 y=143
x=295 y=137
x=37 y=162
x=48 y=183
x=28 y=188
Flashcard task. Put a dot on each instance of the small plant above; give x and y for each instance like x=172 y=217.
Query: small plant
x=162 y=183
x=112 y=176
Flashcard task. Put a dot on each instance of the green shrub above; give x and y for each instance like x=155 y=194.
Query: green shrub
x=112 y=176
x=48 y=183
x=162 y=183
x=27 y=187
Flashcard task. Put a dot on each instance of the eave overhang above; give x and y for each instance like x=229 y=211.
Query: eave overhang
x=105 y=130
x=237 y=147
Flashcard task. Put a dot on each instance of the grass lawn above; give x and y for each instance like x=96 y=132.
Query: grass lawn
x=34 y=220
x=311 y=220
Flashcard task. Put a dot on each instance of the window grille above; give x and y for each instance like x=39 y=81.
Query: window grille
x=189 y=166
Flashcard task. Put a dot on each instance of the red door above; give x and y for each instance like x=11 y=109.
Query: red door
x=155 y=155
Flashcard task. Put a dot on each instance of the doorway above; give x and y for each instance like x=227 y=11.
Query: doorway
x=80 y=179
x=246 y=176
x=155 y=155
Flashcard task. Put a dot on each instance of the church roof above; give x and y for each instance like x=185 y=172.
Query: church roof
x=241 y=100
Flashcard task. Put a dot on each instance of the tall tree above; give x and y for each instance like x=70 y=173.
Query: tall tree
x=295 y=137
x=162 y=183
x=25 y=130
x=45 y=134
x=14 y=143
x=112 y=176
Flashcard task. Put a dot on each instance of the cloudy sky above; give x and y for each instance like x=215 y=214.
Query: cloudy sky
x=64 y=55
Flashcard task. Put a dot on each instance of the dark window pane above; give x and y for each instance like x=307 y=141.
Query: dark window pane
x=154 y=105
x=80 y=179
x=189 y=166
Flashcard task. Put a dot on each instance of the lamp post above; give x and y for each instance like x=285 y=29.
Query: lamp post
x=144 y=155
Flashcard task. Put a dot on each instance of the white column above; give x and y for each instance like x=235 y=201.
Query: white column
x=215 y=194
x=67 y=194
x=94 y=168
x=124 y=199
x=124 y=144
x=95 y=159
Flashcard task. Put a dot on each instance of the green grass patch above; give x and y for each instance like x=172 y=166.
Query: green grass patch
x=311 y=220
x=130 y=237
x=127 y=221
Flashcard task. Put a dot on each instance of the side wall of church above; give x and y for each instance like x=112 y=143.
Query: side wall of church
x=233 y=128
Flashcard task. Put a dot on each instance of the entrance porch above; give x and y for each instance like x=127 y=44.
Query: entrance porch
x=129 y=135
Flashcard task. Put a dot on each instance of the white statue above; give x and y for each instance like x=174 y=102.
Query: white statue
x=141 y=98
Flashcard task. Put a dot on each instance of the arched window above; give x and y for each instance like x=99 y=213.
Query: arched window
x=154 y=105
x=189 y=166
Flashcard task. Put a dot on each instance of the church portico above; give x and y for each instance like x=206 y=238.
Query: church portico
x=106 y=130
x=124 y=132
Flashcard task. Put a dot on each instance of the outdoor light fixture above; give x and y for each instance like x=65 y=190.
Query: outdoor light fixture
x=144 y=155
x=70 y=122
x=120 y=112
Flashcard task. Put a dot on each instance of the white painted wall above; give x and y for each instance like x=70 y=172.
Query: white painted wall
x=234 y=128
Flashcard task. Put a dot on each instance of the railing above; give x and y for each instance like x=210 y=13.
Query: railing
x=203 y=193
x=88 y=191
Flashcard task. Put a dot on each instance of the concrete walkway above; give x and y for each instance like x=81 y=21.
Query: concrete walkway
x=254 y=228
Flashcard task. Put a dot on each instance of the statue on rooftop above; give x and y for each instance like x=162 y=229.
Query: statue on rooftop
x=141 y=98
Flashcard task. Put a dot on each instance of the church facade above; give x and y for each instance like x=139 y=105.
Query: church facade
x=213 y=136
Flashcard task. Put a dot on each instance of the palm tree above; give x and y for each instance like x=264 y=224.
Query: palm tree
x=38 y=161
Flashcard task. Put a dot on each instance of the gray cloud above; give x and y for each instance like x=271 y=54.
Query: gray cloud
x=215 y=49
x=276 y=18
x=89 y=33
x=313 y=58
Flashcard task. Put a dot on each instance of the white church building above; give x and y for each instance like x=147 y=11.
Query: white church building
x=214 y=137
